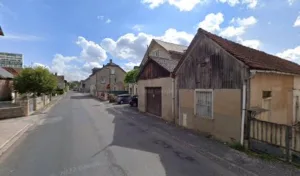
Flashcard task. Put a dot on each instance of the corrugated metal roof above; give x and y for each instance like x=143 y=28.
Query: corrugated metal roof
x=171 y=46
x=5 y=74
x=168 y=64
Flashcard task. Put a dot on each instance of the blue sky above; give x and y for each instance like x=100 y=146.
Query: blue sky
x=73 y=36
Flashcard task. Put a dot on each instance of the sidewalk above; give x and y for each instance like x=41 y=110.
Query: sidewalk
x=211 y=148
x=12 y=129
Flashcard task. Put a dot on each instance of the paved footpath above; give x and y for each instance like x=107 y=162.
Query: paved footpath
x=81 y=136
x=12 y=129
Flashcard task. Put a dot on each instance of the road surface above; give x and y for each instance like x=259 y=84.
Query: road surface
x=81 y=136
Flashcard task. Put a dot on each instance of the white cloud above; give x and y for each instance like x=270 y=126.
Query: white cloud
x=138 y=27
x=182 y=5
x=91 y=51
x=232 y=31
x=291 y=54
x=297 y=22
x=108 y=21
x=21 y=37
x=230 y=2
x=100 y=17
x=249 y=3
x=246 y=21
x=40 y=65
x=129 y=66
x=212 y=22
x=291 y=2
x=132 y=47
x=255 y=44
x=238 y=27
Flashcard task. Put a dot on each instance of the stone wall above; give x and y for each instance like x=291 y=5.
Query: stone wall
x=22 y=107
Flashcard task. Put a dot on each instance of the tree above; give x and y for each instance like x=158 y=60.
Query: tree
x=35 y=80
x=131 y=76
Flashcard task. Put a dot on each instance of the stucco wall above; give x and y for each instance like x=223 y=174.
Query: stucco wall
x=226 y=121
x=166 y=87
x=281 y=87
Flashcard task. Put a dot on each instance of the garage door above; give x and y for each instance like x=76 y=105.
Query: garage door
x=154 y=100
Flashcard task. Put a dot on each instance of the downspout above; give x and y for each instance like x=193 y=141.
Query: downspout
x=173 y=98
x=244 y=101
x=243 y=112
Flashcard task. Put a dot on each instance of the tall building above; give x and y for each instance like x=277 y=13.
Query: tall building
x=11 y=60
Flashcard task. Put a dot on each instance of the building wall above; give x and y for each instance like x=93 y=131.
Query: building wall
x=116 y=80
x=93 y=85
x=281 y=86
x=154 y=47
x=166 y=86
x=5 y=89
x=226 y=121
x=132 y=88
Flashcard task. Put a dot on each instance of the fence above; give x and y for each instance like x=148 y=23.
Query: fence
x=282 y=141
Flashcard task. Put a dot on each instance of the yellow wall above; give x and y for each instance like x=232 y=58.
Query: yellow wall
x=166 y=85
x=226 y=121
x=282 y=96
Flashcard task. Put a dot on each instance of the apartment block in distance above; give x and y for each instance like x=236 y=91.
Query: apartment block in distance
x=11 y=60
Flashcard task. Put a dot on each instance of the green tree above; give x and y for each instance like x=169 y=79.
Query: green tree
x=35 y=80
x=131 y=76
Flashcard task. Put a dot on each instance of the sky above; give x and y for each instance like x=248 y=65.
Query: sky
x=70 y=37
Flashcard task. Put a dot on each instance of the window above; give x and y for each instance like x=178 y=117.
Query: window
x=157 y=53
x=103 y=80
x=266 y=104
x=204 y=103
x=112 y=71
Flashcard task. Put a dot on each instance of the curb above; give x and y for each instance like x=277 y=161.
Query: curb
x=7 y=144
x=14 y=138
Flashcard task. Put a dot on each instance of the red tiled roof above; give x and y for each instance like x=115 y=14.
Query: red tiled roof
x=13 y=71
x=253 y=58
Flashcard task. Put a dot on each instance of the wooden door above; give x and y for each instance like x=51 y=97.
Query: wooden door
x=154 y=100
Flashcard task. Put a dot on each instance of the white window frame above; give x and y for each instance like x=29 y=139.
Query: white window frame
x=212 y=103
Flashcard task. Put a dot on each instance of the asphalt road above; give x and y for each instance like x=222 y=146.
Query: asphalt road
x=81 y=136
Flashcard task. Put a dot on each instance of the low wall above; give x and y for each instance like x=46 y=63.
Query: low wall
x=24 y=107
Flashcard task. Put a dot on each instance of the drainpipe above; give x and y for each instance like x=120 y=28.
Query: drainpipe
x=173 y=99
x=243 y=112
x=244 y=101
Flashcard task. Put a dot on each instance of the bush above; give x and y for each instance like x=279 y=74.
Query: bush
x=60 y=91
x=111 y=98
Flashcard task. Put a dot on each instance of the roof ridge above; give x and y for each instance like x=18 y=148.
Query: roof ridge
x=169 y=42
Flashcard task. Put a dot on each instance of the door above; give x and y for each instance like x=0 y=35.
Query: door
x=154 y=100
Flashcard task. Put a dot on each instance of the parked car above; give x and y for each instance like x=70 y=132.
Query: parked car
x=123 y=99
x=134 y=101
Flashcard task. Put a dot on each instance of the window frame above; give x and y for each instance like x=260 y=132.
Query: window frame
x=212 y=103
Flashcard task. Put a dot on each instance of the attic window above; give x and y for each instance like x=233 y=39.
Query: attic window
x=156 y=53
x=266 y=94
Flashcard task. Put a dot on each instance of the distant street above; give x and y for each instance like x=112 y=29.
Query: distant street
x=82 y=136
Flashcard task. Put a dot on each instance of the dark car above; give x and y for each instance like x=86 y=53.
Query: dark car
x=134 y=101
x=123 y=99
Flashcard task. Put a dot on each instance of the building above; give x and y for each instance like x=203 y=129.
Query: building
x=11 y=60
x=155 y=80
x=217 y=80
x=61 y=84
x=110 y=78
x=6 y=82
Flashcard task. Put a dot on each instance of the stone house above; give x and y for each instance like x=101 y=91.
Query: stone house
x=155 y=80
x=108 y=78
x=217 y=80
x=60 y=81
x=6 y=82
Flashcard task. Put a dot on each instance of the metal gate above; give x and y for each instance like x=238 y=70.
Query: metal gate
x=153 y=99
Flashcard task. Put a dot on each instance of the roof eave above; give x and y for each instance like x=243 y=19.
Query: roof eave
x=272 y=71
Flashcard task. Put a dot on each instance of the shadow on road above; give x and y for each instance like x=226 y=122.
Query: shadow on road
x=175 y=161
x=84 y=97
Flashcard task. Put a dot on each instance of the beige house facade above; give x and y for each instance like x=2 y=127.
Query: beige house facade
x=219 y=81
x=156 y=90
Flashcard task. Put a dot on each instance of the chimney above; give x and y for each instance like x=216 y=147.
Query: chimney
x=110 y=61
